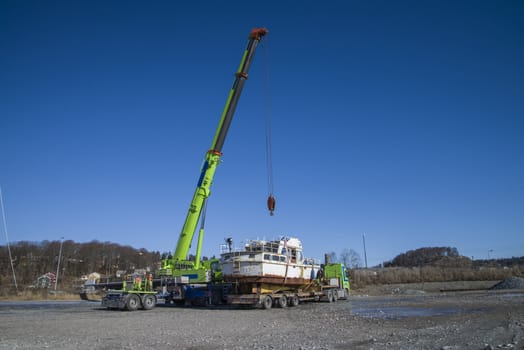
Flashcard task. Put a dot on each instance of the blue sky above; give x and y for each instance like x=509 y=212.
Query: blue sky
x=401 y=120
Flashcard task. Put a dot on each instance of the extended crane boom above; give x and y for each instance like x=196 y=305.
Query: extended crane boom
x=211 y=160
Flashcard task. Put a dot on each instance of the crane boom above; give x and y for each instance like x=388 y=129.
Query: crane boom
x=212 y=157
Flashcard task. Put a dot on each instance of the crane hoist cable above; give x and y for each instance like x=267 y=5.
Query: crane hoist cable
x=271 y=202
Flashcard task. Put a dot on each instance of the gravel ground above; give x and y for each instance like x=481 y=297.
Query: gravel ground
x=510 y=283
x=465 y=320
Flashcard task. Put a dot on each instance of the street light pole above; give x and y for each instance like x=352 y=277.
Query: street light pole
x=365 y=253
x=58 y=263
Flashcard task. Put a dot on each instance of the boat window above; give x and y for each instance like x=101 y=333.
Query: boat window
x=267 y=257
x=251 y=256
x=283 y=258
x=284 y=251
x=274 y=257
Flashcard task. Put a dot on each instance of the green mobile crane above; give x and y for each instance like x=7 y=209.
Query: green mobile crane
x=178 y=265
x=176 y=269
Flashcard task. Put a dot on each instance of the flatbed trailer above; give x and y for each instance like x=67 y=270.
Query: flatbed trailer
x=288 y=298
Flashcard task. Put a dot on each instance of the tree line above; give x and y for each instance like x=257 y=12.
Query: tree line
x=33 y=259
x=443 y=257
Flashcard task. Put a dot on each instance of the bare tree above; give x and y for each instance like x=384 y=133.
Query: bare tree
x=354 y=259
x=345 y=256
x=350 y=258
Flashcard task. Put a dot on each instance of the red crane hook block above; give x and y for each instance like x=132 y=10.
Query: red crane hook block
x=271 y=204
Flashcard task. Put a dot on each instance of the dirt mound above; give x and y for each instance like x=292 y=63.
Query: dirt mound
x=510 y=283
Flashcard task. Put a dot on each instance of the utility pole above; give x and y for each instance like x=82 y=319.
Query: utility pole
x=365 y=254
x=7 y=239
x=58 y=263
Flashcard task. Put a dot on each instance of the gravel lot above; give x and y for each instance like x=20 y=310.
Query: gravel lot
x=466 y=320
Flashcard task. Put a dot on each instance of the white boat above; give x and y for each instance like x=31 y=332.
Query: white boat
x=270 y=262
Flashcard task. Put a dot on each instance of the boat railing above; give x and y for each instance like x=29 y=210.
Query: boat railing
x=253 y=246
x=312 y=261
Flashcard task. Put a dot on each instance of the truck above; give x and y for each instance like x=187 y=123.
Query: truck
x=195 y=282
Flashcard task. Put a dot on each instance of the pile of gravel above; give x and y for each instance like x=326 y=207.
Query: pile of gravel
x=510 y=283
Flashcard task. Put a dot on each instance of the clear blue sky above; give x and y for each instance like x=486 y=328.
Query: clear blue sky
x=402 y=120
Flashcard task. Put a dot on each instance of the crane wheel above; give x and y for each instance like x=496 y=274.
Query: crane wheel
x=148 y=302
x=267 y=302
x=133 y=302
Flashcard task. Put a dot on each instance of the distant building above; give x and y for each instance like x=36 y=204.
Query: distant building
x=45 y=281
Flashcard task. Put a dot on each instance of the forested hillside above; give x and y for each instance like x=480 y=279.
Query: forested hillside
x=33 y=259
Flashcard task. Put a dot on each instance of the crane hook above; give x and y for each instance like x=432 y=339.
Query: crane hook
x=271 y=204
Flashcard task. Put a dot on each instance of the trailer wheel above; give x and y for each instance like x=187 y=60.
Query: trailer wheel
x=132 y=302
x=267 y=302
x=148 y=302
x=330 y=296
x=335 y=295
x=293 y=300
x=282 y=301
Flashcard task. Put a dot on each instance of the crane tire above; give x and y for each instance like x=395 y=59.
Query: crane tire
x=148 y=301
x=133 y=302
